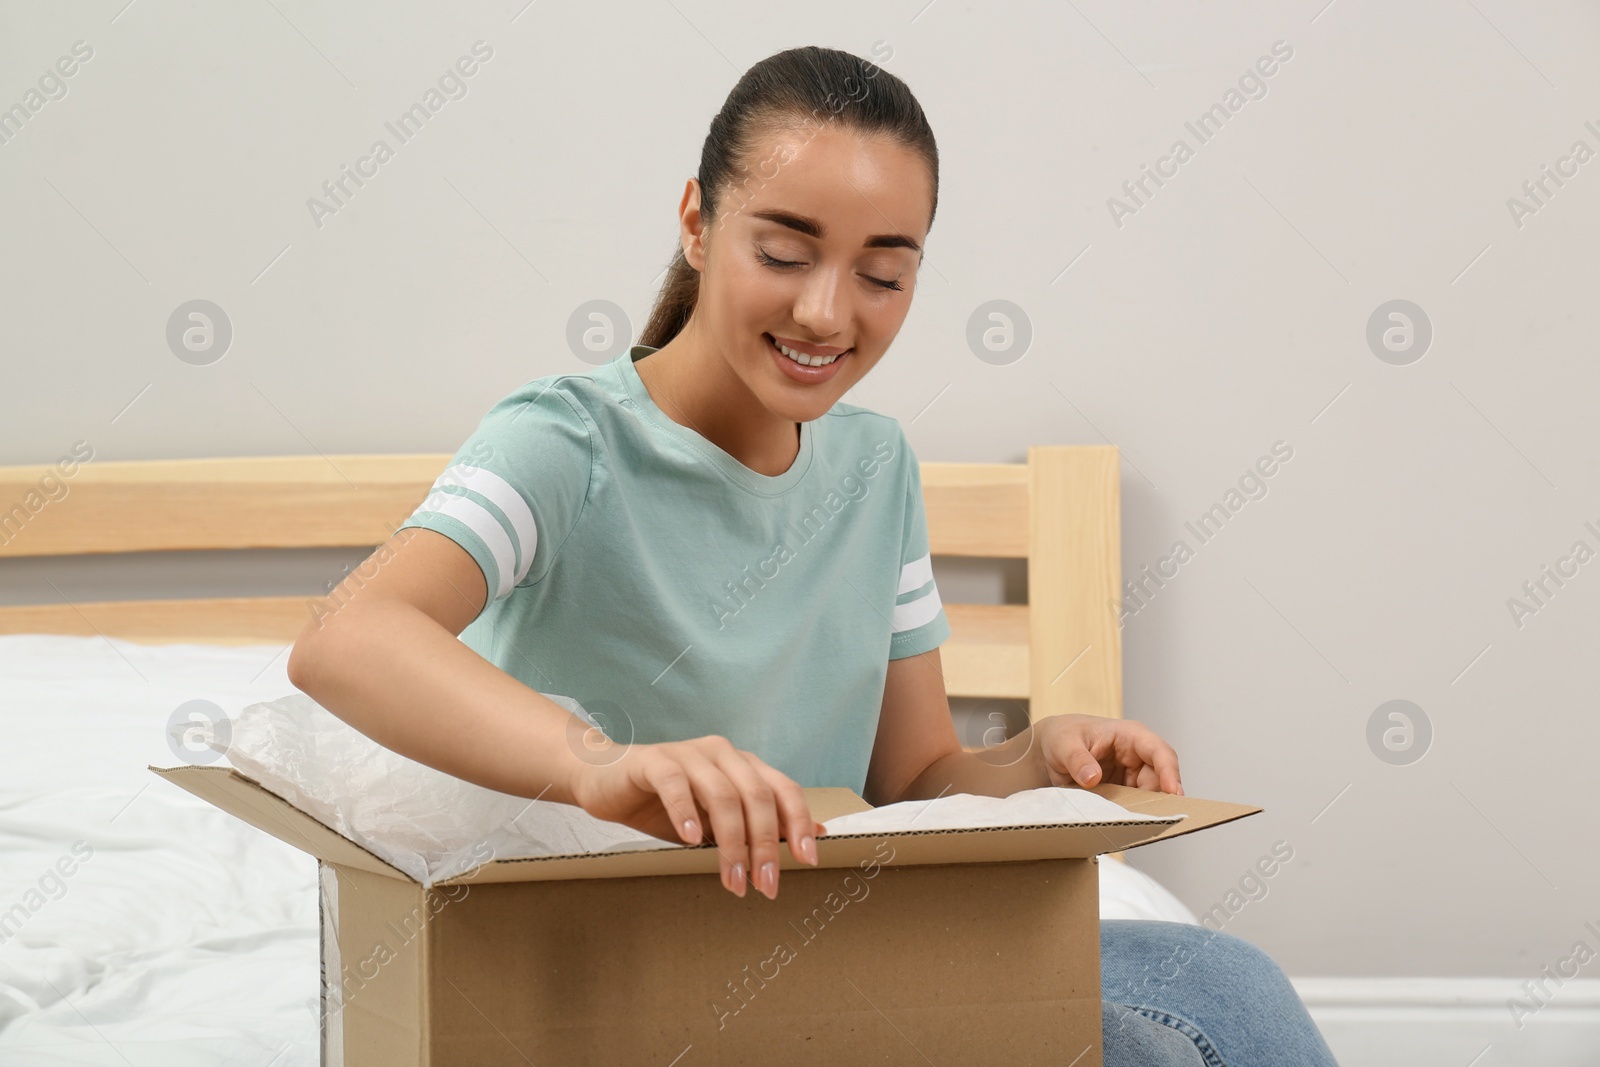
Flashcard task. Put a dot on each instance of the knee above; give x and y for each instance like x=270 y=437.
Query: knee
x=1147 y=953
x=1234 y=954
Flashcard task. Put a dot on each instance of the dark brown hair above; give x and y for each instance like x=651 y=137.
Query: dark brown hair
x=800 y=87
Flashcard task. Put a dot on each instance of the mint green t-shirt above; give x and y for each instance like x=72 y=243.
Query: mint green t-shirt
x=673 y=592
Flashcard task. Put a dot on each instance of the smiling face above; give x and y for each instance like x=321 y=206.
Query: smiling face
x=817 y=252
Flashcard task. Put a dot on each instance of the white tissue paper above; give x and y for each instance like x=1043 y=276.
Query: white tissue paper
x=1046 y=806
x=427 y=823
x=433 y=826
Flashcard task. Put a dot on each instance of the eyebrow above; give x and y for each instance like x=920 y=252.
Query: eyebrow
x=813 y=228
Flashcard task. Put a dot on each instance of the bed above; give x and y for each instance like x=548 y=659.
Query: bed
x=141 y=925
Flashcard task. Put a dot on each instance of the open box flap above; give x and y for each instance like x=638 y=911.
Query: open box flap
x=830 y=802
x=242 y=796
x=1198 y=814
x=1182 y=815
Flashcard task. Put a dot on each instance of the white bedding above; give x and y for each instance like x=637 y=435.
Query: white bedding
x=186 y=937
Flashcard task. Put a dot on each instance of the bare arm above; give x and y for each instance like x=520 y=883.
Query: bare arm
x=383 y=655
x=917 y=756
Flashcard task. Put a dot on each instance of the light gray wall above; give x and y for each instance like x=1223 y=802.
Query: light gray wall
x=1227 y=313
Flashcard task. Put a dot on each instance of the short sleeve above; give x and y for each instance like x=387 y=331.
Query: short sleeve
x=919 y=622
x=514 y=490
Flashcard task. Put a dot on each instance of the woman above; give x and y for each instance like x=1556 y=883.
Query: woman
x=727 y=566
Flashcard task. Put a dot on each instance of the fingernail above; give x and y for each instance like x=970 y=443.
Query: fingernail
x=769 y=879
x=808 y=850
x=738 y=878
x=688 y=828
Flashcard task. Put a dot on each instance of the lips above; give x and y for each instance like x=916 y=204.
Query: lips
x=803 y=373
x=808 y=349
x=814 y=351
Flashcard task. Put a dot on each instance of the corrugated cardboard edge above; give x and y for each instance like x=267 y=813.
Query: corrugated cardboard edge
x=915 y=847
x=983 y=844
x=242 y=796
x=1198 y=814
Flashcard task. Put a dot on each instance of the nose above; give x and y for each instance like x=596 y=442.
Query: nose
x=820 y=306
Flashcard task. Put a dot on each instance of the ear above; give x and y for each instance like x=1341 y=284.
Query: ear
x=692 y=226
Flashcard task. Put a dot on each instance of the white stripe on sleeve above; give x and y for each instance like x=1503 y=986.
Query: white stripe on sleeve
x=498 y=491
x=916 y=574
x=477 y=518
x=914 y=613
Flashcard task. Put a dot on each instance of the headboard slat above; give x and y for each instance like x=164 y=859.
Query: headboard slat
x=340 y=501
x=976 y=509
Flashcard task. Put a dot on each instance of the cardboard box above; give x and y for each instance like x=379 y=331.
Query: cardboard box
x=967 y=947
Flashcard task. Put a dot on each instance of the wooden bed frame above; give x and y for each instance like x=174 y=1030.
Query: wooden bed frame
x=1060 y=511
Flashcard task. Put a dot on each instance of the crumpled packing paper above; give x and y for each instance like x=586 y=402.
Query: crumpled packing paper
x=434 y=826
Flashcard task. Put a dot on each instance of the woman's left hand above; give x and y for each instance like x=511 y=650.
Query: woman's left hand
x=1085 y=750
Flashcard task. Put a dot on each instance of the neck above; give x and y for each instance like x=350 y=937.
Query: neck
x=694 y=385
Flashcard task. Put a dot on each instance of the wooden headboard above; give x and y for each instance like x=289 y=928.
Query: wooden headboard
x=1060 y=511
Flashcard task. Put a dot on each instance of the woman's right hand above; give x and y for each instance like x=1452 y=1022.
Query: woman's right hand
x=672 y=788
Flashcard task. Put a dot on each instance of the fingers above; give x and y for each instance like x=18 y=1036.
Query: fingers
x=759 y=802
x=1134 y=754
x=748 y=803
x=719 y=798
x=794 y=814
x=671 y=784
x=1151 y=754
x=1072 y=752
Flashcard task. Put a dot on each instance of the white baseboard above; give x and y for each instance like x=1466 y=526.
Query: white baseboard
x=1456 y=1022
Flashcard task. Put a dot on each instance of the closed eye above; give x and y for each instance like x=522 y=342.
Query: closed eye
x=780 y=263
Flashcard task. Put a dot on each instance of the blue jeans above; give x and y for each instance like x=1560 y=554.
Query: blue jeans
x=1177 y=995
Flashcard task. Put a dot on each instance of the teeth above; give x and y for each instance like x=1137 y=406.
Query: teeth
x=802 y=358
